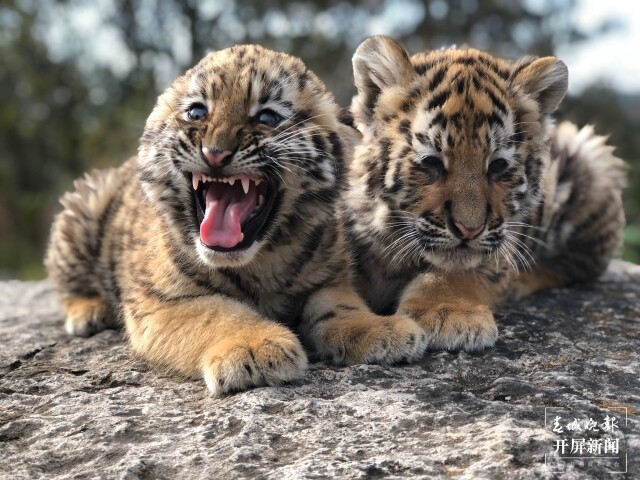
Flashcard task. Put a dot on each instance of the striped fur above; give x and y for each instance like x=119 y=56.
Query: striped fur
x=463 y=189
x=126 y=246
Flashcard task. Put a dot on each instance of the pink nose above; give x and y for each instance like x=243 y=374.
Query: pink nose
x=468 y=233
x=215 y=157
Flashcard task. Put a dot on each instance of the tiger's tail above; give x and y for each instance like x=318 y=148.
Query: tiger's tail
x=583 y=219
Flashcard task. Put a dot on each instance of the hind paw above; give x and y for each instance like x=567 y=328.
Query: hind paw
x=86 y=316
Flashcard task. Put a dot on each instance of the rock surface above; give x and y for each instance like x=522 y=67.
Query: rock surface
x=83 y=408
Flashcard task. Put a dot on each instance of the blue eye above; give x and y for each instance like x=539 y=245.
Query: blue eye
x=268 y=117
x=197 y=111
x=498 y=166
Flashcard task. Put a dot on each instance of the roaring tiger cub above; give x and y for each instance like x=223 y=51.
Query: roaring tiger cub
x=222 y=236
x=461 y=181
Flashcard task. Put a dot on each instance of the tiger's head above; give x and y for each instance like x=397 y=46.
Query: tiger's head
x=454 y=149
x=240 y=149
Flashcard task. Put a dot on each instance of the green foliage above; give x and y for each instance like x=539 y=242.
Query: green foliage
x=78 y=79
x=632 y=243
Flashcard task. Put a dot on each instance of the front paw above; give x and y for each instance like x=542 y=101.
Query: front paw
x=375 y=339
x=455 y=327
x=250 y=359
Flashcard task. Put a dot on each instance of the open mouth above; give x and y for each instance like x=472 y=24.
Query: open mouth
x=231 y=211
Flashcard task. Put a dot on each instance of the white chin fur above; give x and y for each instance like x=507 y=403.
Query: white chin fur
x=454 y=261
x=227 y=259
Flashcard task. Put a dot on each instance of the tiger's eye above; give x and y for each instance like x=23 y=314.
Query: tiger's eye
x=268 y=117
x=432 y=166
x=197 y=111
x=497 y=167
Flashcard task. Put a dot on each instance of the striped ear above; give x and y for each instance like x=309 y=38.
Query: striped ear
x=378 y=63
x=545 y=79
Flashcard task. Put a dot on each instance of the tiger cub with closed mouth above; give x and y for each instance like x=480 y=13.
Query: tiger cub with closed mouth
x=463 y=189
x=220 y=242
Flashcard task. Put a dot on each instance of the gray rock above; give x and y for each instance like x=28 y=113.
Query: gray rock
x=84 y=408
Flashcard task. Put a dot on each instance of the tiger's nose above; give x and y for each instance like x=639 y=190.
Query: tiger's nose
x=215 y=157
x=468 y=233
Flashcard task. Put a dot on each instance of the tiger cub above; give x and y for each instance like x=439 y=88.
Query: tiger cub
x=462 y=189
x=221 y=241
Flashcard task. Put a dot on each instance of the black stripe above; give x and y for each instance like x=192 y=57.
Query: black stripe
x=115 y=203
x=324 y=317
x=438 y=100
x=496 y=101
x=437 y=78
x=241 y=285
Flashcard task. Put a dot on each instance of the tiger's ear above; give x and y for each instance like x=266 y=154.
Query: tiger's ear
x=379 y=62
x=546 y=80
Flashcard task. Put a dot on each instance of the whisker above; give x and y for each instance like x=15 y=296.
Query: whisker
x=276 y=137
x=533 y=239
x=519 y=254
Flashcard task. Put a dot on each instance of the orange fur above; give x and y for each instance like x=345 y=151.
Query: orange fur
x=462 y=184
x=128 y=245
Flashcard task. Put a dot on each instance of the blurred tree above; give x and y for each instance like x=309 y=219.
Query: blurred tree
x=79 y=78
x=39 y=139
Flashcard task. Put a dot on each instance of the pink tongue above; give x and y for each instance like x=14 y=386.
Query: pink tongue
x=227 y=207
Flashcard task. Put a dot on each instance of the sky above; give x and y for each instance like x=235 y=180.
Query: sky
x=613 y=58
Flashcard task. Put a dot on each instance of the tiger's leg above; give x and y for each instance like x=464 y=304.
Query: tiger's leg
x=72 y=258
x=223 y=340
x=338 y=325
x=76 y=249
x=536 y=280
x=70 y=263
x=454 y=310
